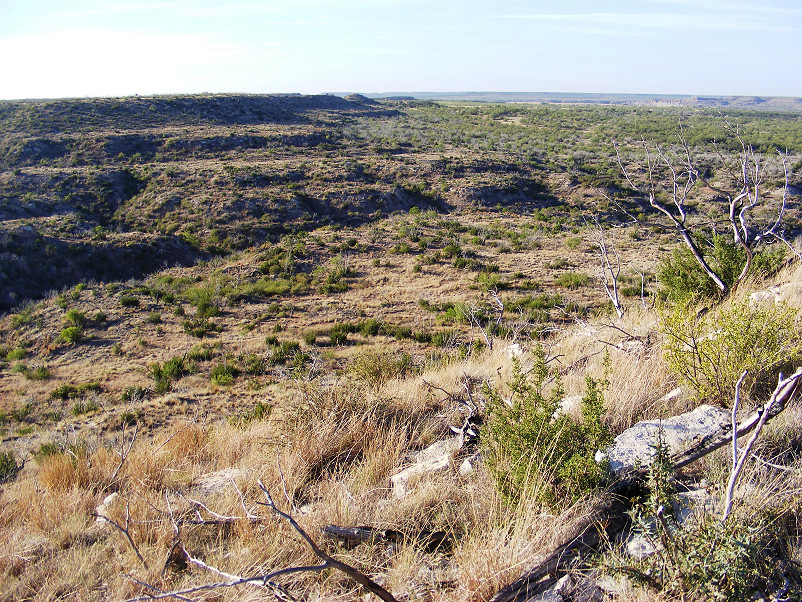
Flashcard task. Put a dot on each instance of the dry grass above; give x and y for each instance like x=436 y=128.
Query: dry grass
x=325 y=447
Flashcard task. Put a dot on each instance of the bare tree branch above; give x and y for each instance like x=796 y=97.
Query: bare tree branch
x=609 y=272
x=786 y=389
x=328 y=561
x=124 y=530
x=744 y=193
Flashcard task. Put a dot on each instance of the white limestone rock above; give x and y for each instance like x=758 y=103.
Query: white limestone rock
x=635 y=446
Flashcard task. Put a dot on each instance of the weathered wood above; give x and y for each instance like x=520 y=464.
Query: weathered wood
x=429 y=541
x=608 y=520
x=721 y=438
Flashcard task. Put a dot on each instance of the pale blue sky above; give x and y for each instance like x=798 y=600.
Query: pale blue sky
x=57 y=48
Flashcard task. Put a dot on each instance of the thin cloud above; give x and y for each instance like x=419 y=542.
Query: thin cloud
x=667 y=21
x=762 y=10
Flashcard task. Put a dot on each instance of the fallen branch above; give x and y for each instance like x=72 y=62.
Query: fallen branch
x=328 y=561
x=430 y=541
x=125 y=531
x=786 y=389
x=721 y=438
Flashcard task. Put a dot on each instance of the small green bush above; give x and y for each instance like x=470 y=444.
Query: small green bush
x=704 y=558
x=224 y=373
x=534 y=451
x=71 y=335
x=452 y=250
x=711 y=352
x=683 y=280
x=8 y=466
x=75 y=317
x=203 y=352
x=21 y=319
x=283 y=351
x=572 y=280
x=154 y=318
x=74 y=391
x=252 y=364
x=375 y=368
x=40 y=372
x=129 y=301
x=48 y=449
x=164 y=374
x=370 y=327
x=15 y=354
x=338 y=335
x=199 y=327
x=129 y=418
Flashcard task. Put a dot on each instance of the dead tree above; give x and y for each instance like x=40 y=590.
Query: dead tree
x=609 y=268
x=669 y=176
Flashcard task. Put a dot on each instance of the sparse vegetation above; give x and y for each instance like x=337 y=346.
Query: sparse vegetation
x=327 y=287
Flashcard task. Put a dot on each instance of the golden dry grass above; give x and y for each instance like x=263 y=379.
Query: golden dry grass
x=325 y=448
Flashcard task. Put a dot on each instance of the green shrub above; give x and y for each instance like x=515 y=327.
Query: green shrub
x=20 y=319
x=48 y=449
x=74 y=391
x=283 y=351
x=370 y=327
x=71 y=335
x=704 y=558
x=375 y=368
x=129 y=301
x=683 y=279
x=338 y=335
x=206 y=309
x=711 y=352
x=203 y=352
x=252 y=364
x=41 y=372
x=129 y=418
x=711 y=560
x=99 y=317
x=224 y=373
x=8 y=466
x=164 y=374
x=452 y=250
x=572 y=280
x=199 y=327
x=15 y=354
x=310 y=337
x=154 y=318
x=75 y=317
x=536 y=452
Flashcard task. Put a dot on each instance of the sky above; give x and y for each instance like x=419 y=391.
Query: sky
x=80 y=48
